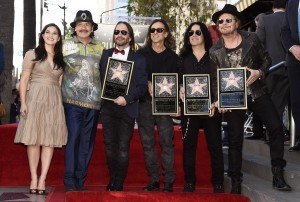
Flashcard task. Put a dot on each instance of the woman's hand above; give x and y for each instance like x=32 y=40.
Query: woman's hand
x=24 y=111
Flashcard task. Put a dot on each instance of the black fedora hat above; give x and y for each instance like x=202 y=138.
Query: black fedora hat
x=84 y=16
x=228 y=8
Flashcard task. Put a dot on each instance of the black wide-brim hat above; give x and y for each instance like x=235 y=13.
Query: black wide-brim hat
x=228 y=8
x=84 y=16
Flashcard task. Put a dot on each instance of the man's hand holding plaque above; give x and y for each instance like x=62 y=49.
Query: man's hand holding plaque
x=117 y=78
x=197 y=97
x=232 y=89
x=164 y=93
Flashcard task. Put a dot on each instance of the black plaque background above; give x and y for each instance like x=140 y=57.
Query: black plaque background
x=197 y=103
x=113 y=88
x=164 y=103
x=232 y=97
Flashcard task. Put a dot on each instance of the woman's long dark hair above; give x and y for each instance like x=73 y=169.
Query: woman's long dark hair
x=187 y=48
x=41 y=53
x=169 y=40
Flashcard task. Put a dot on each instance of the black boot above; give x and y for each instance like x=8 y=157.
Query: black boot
x=278 y=180
x=236 y=187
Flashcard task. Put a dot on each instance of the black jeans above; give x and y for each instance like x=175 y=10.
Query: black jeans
x=264 y=108
x=117 y=131
x=212 y=129
x=146 y=123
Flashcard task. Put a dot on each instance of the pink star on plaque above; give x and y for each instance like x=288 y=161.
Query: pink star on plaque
x=197 y=87
x=232 y=80
x=118 y=73
x=165 y=86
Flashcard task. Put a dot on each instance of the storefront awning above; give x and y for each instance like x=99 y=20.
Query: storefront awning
x=250 y=9
x=243 y=4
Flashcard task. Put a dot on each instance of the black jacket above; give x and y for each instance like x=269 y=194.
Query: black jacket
x=253 y=56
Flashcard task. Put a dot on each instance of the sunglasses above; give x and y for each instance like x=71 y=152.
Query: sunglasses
x=117 y=32
x=228 y=20
x=197 y=32
x=159 y=30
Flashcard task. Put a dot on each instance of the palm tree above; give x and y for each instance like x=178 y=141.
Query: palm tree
x=6 y=37
x=29 y=20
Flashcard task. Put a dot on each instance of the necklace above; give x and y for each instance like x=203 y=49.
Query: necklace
x=234 y=43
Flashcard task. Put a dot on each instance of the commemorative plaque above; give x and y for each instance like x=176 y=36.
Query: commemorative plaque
x=165 y=93
x=197 y=97
x=117 y=78
x=232 y=90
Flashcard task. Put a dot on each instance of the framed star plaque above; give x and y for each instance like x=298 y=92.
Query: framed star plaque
x=165 y=93
x=117 y=78
x=197 y=94
x=232 y=90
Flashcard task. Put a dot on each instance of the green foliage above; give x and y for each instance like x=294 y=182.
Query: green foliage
x=68 y=29
x=178 y=13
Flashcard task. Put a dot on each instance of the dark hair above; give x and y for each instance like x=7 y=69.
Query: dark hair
x=130 y=32
x=169 y=41
x=187 y=48
x=41 y=53
x=279 y=3
x=75 y=34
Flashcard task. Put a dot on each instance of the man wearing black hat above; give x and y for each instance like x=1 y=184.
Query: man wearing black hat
x=118 y=115
x=81 y=97
x=237 y=48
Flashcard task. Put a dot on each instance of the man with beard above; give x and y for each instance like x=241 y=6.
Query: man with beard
x=237 y=48
x=82 y=55
x=118 y=115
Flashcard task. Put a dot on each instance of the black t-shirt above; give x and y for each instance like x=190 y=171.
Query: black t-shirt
x=163 y=62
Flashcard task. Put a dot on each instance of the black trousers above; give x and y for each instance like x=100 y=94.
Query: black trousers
x=294 y=75
x=117 y=131
x=146 y=122
x=212 y=128
x=265 y=110
x=278 y=86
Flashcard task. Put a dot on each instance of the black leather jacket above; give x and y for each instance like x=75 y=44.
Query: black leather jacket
x=253 y=56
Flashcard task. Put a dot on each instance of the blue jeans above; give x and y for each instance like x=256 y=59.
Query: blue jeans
x=82 y=127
